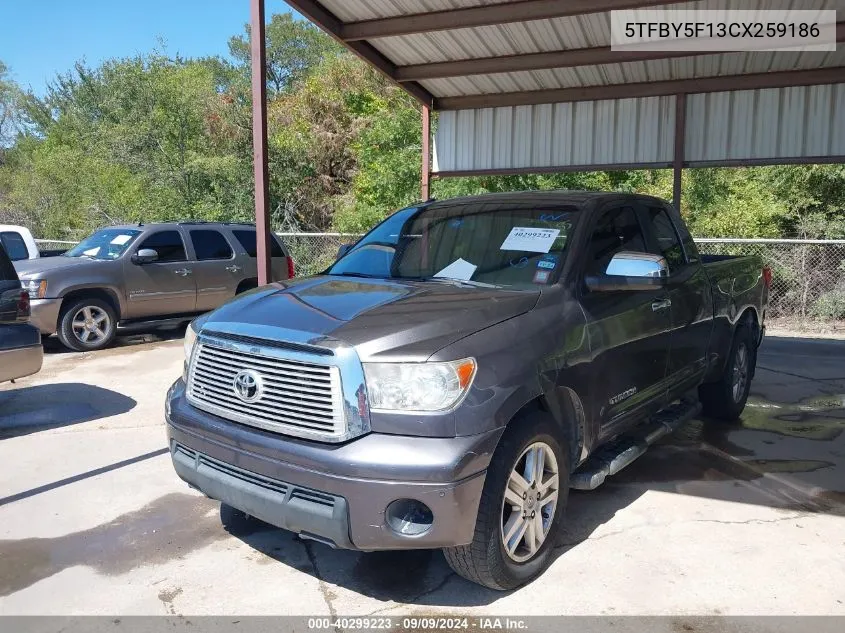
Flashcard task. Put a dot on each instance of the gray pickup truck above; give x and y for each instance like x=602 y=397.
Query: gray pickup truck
x=132 y=277
x=462 y=366
x=21 y=353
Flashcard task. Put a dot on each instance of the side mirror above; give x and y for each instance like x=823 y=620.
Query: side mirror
x=145 y=256
x=343 y=250
x=631 y=271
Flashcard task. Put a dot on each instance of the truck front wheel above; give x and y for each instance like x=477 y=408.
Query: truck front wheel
x=521 y=508
x=725 y=399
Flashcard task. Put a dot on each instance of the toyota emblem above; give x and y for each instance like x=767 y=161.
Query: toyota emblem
x=247 y=385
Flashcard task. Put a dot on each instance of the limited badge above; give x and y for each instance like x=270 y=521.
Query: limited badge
x=542 y=277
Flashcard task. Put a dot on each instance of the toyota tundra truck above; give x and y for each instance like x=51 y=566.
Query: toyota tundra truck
x=457 y=370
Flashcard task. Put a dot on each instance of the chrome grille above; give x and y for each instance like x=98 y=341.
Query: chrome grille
x=293 y=397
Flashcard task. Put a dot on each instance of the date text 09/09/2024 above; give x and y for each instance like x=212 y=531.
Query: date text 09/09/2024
x=427 y=623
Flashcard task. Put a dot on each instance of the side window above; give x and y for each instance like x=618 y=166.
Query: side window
x=247 y=239
x=209 y=244
x=15 y=246
x=668 y=243
x=168 y=245
x=617 y=230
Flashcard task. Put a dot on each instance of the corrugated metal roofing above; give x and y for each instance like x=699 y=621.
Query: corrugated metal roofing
x=721 y=64
x=556 y=135
x=358 y=10
x=772 y=124
x=766 y=124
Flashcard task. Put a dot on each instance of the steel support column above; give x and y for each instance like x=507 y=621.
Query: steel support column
x=425 y=177
x=259 y=142
x=678 y=159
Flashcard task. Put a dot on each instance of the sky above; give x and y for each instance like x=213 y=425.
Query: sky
x=40 y=38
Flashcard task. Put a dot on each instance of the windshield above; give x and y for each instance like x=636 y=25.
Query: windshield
x=104 y=244
x=492 y=244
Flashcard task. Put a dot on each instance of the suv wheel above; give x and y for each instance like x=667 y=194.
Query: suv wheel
x=87 y=324
x=521 y=509
x=725 y=399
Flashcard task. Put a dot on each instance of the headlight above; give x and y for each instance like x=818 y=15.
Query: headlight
x=418 y=386
x=190 y=339
x=35 y=288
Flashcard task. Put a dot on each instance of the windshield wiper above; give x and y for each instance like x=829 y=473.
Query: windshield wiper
x=468 y=282
x=350 y=274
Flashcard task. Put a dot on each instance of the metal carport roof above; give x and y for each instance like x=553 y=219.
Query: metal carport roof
x=533 y=86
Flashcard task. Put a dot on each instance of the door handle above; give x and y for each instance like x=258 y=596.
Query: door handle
x=233 y=268
x=661 y=305
x=183 y=271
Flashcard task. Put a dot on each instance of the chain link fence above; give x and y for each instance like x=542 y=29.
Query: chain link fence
x=808 y=276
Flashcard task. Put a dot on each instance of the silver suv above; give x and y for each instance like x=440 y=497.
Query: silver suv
x=132 y=277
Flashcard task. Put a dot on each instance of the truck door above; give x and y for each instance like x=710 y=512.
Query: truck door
x=216 y=273
x=163 y=287
x=690 y=296
x=629 y=329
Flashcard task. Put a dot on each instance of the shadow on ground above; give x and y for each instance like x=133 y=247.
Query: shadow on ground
x=30 y=409
x=154 y=335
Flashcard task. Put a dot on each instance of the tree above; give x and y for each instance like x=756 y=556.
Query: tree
x=11 y=121
x=294 y=48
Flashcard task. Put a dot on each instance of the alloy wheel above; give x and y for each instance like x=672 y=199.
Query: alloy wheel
x=529 y=503
x=91 y=325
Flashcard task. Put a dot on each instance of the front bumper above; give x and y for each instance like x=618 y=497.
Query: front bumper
x=335 y=493
x=44 y=314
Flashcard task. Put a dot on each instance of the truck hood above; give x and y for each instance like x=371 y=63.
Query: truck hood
x=395 y=319
x=35 y=268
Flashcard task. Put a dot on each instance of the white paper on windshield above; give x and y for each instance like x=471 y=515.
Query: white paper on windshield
x=92 y=252
x=526 y=238
x=459 y=269
x=120 y=240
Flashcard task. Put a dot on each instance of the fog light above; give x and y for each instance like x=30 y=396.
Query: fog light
x=408 y=517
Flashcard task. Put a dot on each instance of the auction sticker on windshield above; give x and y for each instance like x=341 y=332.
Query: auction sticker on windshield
x=525 y=238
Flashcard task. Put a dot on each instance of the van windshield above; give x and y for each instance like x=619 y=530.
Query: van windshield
x=485 y=244
x=104 y=244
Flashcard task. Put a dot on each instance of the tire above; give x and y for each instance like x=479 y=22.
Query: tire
x=485 y=560
x=239 y=523
x=74 y=325
x=725 y=398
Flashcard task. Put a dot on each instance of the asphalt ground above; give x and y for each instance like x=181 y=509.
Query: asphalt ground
x=717 y=519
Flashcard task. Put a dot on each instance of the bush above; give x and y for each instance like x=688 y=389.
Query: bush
x=831 y=305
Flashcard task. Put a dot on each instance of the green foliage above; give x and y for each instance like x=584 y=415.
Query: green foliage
x=830 y=305
x=294 y=48
x=155 y=138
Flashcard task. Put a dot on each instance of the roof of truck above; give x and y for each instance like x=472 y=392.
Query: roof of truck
x=555 y=197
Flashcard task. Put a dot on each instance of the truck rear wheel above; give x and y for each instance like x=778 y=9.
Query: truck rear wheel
x=87 y=324
x=725 y=399
x=521 y=509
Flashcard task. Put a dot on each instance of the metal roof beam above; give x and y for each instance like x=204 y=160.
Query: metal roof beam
x=538 y=61
x=327 y=21
x=522 y=11
x=783 y=79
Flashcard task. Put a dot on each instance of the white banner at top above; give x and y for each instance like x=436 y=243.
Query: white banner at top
x=722 y=30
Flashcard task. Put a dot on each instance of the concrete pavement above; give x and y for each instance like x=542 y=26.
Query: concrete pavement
x=718 y=519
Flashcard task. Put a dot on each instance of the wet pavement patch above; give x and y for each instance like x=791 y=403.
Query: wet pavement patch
x=168 y=528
